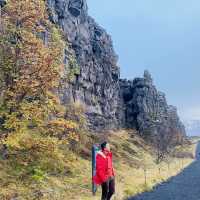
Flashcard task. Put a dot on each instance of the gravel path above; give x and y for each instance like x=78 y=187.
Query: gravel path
x=184 y=186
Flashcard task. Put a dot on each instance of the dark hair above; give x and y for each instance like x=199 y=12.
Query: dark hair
x=103 y=145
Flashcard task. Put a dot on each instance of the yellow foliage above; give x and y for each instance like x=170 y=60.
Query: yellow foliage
x=76 y=112
x=31 y=66
x=62 y=128
x=63 y=124
x=36 y=128
x=31 y=70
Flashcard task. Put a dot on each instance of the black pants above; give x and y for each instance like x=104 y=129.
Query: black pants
x=108 y=189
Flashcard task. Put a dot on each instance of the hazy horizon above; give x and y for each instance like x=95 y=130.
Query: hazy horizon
x=163 y=37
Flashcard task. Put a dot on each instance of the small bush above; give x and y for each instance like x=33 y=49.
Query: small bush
x=38 y=174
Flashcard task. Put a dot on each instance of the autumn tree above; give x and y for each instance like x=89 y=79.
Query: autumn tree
x=31 y=65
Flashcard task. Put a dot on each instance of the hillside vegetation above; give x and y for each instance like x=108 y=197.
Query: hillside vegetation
x=71 y=177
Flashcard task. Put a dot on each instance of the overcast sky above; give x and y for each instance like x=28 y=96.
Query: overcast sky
x=161 y=36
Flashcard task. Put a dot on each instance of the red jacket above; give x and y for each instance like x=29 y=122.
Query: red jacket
x=104 y=167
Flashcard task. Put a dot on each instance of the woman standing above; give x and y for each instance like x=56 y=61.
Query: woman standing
x=105 y=175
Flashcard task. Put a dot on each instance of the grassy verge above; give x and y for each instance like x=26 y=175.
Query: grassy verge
x=133 y=160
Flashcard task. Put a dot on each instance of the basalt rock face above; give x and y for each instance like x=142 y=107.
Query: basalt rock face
x=146 y=109
x=110 y=102
x=97 y=84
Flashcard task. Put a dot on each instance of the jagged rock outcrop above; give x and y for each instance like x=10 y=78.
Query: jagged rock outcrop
x=109 y=101
x=97 y=85
x=146 y=109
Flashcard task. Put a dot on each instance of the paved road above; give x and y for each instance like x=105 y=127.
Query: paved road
x=184 y=186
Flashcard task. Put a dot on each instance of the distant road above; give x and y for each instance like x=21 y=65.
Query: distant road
x=184 y=186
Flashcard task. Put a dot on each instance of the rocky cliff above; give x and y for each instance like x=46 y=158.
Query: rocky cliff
x=146 y=108
x=109 y=101
x=97 y=84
